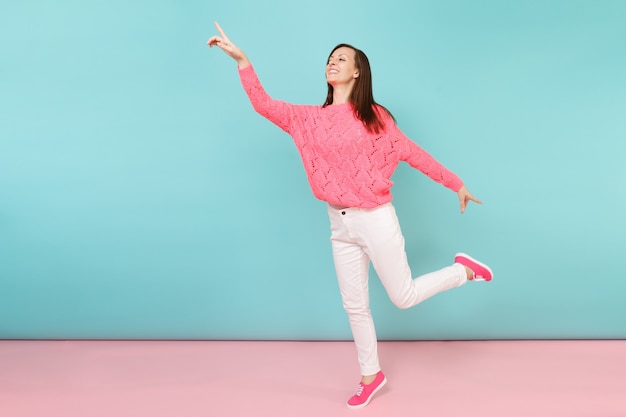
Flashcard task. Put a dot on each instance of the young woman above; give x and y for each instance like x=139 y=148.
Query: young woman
x=350 y=147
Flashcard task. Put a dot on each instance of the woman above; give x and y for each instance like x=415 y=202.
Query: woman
x=350 y=147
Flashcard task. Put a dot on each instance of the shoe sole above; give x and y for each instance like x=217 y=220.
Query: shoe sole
x=482 y=265
x=356 y=407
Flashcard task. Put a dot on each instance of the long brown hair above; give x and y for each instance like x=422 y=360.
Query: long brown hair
x=361 y=96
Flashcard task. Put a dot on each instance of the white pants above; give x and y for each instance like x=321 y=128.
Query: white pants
x=359 y=236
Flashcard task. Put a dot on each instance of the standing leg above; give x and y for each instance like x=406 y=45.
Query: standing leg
x=352 y=268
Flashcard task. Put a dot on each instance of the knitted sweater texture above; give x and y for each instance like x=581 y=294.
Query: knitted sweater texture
x=345 y=164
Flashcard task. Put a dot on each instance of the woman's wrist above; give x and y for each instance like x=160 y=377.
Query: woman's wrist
x=243 y=63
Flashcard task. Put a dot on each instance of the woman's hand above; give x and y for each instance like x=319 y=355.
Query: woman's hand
x=228 y=47
x=465 y=197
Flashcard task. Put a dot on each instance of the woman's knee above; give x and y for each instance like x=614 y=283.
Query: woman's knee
x=402 y=301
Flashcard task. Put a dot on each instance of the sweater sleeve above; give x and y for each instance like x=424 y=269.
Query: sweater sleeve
x=419 y=159
x=278 y=112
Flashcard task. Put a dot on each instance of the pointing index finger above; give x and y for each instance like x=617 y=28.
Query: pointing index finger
x=219 y=28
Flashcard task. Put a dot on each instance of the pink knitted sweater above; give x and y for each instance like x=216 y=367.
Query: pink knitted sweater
x=345 y=164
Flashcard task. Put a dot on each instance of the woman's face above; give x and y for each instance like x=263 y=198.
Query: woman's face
x=341 y=68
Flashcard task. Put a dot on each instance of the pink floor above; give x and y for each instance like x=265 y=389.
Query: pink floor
x=300 y=379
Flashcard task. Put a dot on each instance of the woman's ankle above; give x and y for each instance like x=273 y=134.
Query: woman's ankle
x=368 y=379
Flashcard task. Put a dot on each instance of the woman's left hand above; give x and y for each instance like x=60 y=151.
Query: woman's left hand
x=465 y=197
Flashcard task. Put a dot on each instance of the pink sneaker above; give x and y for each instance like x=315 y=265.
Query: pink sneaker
x=480 y=270
x=364 y=393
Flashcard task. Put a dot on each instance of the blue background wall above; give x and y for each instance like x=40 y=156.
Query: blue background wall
x=142 y=197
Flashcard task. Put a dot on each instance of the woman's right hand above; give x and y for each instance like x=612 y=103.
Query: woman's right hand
x=226 y=45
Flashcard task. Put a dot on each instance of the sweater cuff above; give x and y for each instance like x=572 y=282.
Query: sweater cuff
x=245 y=70
x=457 y=185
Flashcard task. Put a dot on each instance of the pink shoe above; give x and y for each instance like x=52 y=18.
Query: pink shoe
x=365 y=392
x=480 y=270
